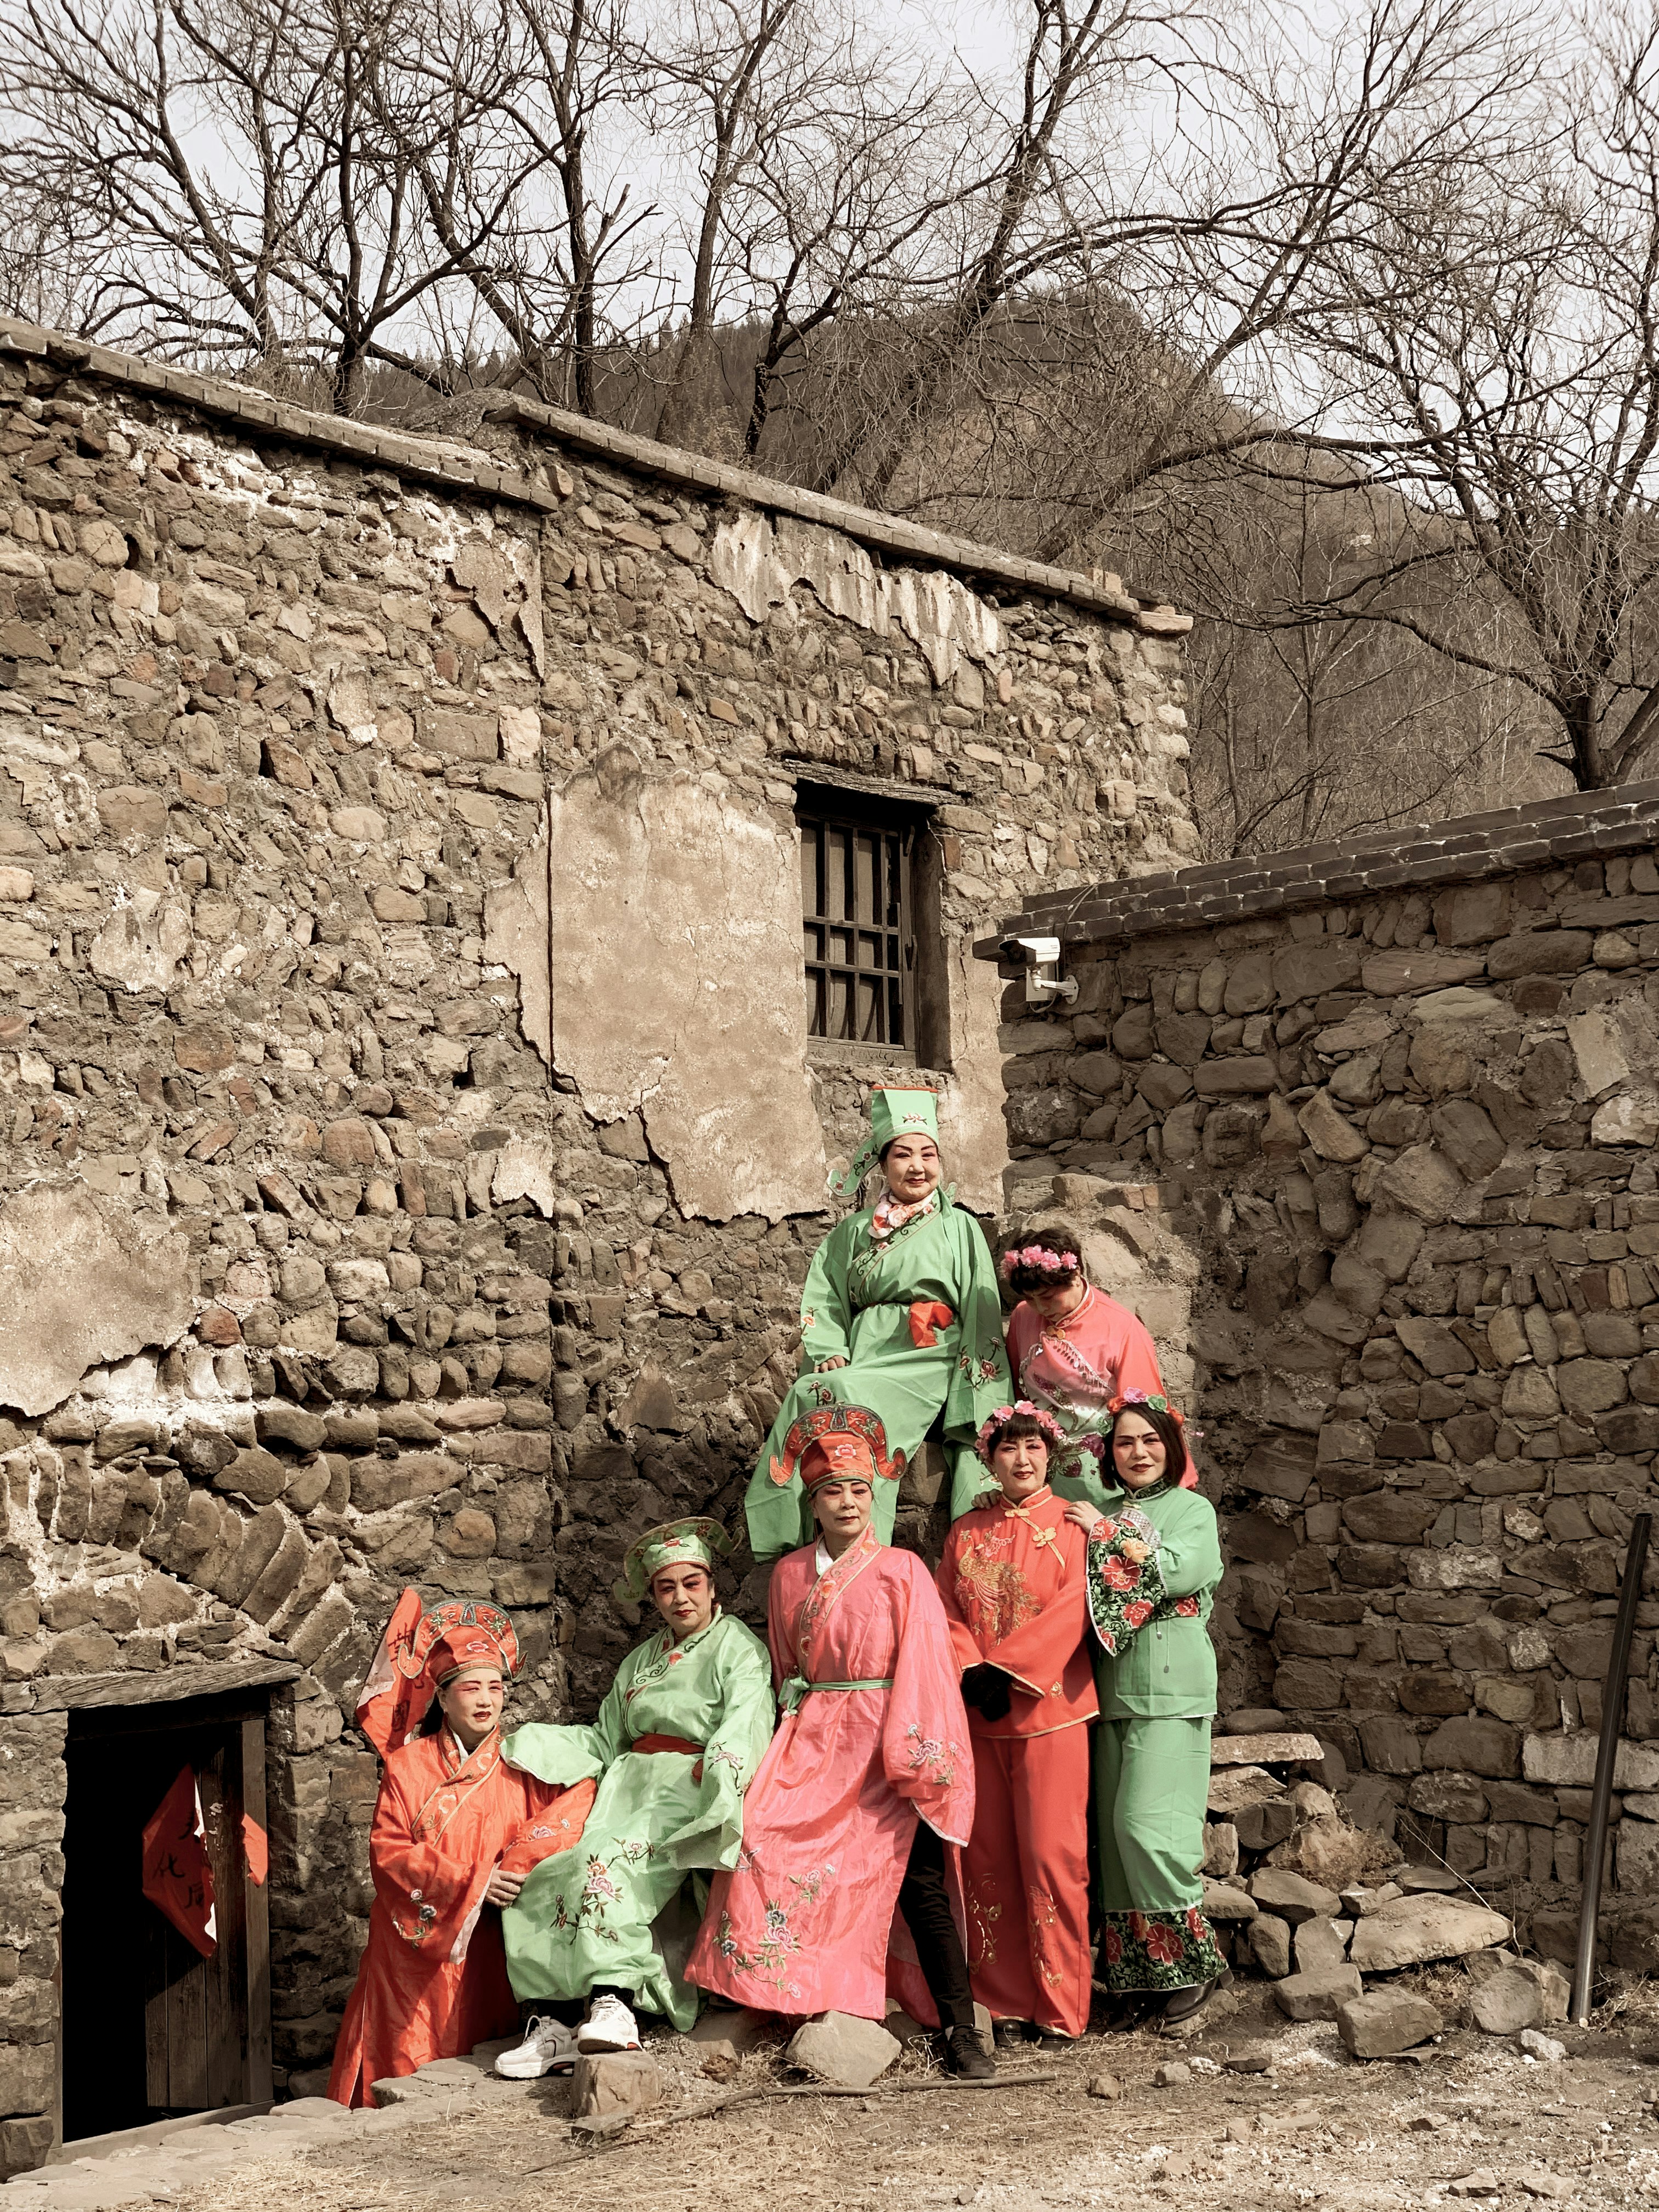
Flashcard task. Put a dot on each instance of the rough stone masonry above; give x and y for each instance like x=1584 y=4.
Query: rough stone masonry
x=415 y=1148
x=1399 y=1097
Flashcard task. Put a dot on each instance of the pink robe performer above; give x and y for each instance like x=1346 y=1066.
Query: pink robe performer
x=1073 y=1369
x=874 y=1738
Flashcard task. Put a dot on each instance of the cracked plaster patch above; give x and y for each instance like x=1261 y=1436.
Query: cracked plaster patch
x=674 y=937
x=82 y=1282
x=760 y=563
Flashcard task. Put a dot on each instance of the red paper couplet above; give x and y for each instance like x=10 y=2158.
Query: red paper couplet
x=178 y=1878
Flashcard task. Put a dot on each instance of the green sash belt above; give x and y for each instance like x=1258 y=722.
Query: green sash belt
x=798 y=1687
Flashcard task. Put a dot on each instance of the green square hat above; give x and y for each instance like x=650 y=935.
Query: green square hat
x=697 y=1542
x=909 y=1113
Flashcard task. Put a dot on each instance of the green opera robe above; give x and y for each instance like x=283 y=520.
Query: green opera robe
x=663 y=1817
x=918 y=1318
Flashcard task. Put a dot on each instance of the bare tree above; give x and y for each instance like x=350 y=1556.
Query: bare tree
x=535 y=201
x=251 y=170
x=1491 y=354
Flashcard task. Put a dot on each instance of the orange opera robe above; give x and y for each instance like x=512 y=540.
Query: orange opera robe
x=432 y=1978
x=1013 y=1582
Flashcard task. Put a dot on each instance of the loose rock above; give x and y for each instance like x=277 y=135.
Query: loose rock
x=1411 y=1929
x=1270 y=1944
x=1292 y=1896
x=1321 y=1943
x=846 y=2052
x=1172 y=2073
x=615 y=2081
x=1318 y=1993
x=1106 y=2086
x=1505 y=2002
x=1544 y=2048
x=1384 y=2022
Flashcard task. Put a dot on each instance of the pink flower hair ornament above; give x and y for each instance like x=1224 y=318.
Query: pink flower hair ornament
x=1037 y=1260
x=1154 y=1401
x=1046 y=1422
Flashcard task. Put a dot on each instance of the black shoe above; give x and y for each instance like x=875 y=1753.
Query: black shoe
x=964 y=2055
x=1127 y=2011
x=1182 y=2005
x=1013 y=2034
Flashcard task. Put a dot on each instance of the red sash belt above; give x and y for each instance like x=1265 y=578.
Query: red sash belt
x=927 y=1316
x=672 y=1743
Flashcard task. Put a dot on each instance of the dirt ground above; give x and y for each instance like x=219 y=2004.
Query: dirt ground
x=1474 y=2118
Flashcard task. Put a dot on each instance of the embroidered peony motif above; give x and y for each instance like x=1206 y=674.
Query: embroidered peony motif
x=1158 y=1950
x=928 y=1751
x=1125 y=1593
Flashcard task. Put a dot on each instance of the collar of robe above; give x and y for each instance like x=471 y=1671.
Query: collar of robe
x=1021 y=1506
x=1164 y=1483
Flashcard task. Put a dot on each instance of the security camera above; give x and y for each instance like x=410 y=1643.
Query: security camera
x=1040 y=958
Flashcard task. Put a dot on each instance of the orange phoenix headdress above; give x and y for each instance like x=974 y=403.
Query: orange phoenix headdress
x=419 y=1652
x=836 y=1441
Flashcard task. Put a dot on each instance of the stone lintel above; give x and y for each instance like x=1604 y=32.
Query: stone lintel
x=74 y=1692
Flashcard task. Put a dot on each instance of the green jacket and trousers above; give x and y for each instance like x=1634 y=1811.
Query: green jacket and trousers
x=1158 y=1696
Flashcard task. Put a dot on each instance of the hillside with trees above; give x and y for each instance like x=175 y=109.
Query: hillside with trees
x=1339 y=330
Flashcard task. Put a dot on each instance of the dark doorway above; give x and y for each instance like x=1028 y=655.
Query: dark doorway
x=151 y=2029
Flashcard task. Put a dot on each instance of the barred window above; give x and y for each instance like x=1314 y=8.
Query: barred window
x=857 y=861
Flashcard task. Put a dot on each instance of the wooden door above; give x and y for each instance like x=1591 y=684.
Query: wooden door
x=171 y=2031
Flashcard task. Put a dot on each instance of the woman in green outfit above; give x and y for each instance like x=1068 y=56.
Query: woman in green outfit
x=1153 y=1561
x=678 y=1738
x=900 y=1313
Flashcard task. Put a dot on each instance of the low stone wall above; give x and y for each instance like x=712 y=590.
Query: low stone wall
x=1400 y=1100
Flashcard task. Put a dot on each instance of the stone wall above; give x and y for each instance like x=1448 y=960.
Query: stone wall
x=1399 y=1099
x=414 y=1148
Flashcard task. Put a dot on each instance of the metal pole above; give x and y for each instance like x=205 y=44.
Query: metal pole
x=1606 y=1752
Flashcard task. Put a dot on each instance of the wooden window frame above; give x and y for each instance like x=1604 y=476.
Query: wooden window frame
x=829 y=809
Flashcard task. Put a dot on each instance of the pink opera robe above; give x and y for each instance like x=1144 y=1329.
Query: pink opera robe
x=803 y=1924
x=1073 y=1369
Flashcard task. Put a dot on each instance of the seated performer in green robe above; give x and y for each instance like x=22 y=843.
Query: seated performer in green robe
x=681 y=1732
x=900 y=1313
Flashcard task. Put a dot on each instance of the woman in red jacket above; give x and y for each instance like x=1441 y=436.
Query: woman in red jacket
x=1012 y=1579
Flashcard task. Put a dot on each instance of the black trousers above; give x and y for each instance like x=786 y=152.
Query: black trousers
x=926 y=1904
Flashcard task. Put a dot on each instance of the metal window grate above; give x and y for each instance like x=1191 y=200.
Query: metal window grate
x=856 y=913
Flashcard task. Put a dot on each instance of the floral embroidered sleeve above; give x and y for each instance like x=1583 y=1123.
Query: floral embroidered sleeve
x=711 y=1835
x=926 y=1750
x=1123 y=1593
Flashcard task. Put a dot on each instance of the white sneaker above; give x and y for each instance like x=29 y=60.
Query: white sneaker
x=548 y=2048
x=610 y=2026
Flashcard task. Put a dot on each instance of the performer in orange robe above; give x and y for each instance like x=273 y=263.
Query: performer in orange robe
x=1015 y=1590
x=456 y=1830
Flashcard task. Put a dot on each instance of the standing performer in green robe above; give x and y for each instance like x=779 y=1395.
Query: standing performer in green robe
x=1151 y=1565
x=679 y=1737
x=900 y=1314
